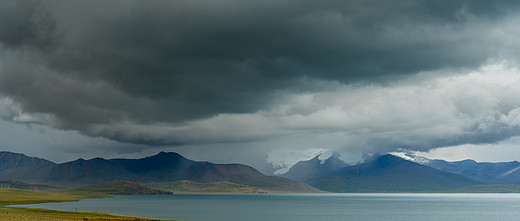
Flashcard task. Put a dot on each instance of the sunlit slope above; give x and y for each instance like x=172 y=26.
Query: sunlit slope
x=120 y=188
x=186 y=186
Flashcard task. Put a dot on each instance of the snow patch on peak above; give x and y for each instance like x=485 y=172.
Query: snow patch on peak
x=283 y=160
x=411 y=156
x=282 y=171
x=324 y=156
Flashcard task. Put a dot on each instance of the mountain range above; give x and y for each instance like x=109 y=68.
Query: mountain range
x=501 y=172
x=163 y=167
x=489 y=172
x=386 y=173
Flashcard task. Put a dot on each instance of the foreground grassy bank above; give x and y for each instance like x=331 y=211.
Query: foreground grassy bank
x=20 y=197
x=22 y=214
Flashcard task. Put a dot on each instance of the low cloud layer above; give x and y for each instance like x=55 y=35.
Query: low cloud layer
x=420 y=113
x=366 y=76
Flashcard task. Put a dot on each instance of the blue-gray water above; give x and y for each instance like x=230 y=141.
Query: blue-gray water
x=306 y=207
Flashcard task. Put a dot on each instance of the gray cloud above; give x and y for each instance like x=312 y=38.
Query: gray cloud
x=184 y=72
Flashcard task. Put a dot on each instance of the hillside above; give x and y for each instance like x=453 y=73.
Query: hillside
x=163 y=167
x=310 y=169
x=13 y=160
x=120 y=188
x=501 y=172
x=389 y=173
x=8 y=184
x=20 y=197
x=186 y=186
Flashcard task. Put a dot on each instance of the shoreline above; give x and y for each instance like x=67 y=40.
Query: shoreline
x=12 y=201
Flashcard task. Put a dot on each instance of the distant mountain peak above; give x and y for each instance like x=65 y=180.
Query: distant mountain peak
x=163 y=154
x=469 y=161
x=304 y=170
x=334 y=162
x=80 y=159
x=388 y=160
x=324 y=157
x=11 y=160
x=389 y=173
x=411 y=156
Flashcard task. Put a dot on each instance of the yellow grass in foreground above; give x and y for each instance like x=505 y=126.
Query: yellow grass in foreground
x=11 y=213
x=18 y=197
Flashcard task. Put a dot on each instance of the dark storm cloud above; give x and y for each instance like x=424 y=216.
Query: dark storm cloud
x=93 y=64
x=25 y=24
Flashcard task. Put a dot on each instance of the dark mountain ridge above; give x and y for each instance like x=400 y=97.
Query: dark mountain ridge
x=12 y=160
x=163 y=167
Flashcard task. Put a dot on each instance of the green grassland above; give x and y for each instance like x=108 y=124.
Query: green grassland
x=22 y=214
x=20 y=197
x=27 y=186
x=185 y=186
x=119 y=188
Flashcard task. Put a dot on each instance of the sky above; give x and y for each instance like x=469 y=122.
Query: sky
x=265 y=83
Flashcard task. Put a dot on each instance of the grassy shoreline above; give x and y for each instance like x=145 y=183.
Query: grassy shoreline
x=22 y=197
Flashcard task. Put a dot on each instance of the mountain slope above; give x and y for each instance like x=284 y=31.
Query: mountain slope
x=389 y=173
x=163 y=167
x=185 y=186
x=502 y=172
x=310 y=169
x=87 y=172
x=27 y=186
x=12 y=160
x=120 y=188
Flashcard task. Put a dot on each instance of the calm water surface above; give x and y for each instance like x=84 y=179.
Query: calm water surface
x=306 y=207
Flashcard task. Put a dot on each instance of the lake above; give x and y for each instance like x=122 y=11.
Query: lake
x=305 y=207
